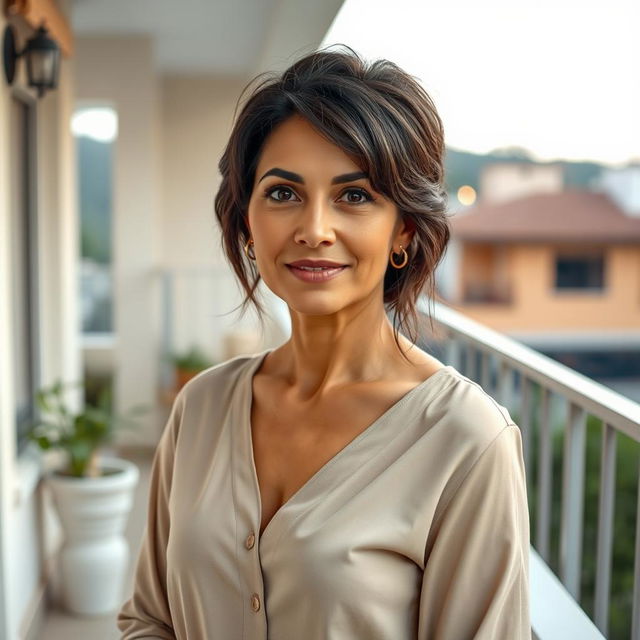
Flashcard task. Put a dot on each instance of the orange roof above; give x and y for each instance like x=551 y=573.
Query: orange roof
x=571 y=215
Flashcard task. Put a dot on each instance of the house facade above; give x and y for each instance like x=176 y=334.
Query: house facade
x=557 y=269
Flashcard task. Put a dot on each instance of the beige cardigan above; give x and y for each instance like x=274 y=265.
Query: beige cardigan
x=417 y=529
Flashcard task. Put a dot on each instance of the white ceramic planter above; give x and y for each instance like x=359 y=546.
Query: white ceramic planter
x=95 y=554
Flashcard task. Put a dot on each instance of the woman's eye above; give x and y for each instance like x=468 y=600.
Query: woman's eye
x=360 y=193
x=273 y=190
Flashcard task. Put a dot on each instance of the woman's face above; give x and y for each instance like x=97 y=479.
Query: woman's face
x=311 y=201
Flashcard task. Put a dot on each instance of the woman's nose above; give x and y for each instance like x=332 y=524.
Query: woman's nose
x=315 y=224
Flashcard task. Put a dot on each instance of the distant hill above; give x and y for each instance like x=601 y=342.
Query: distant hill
x=95 y=171
x=464 y=167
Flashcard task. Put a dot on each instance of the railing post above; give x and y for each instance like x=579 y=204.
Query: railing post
x=485 y=374
x=469 y=360
x=166 y=369
x=505 y=384
x=635 y=615
x=572 y=500
x=526 y=425
x=453 y=350
x=464 y=356
x=544 y=480
x=605 y=526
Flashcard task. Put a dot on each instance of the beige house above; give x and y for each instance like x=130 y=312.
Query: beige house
x=551 y=267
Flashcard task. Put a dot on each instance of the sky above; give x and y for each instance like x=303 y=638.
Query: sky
x=99 y=123
x=560 y=78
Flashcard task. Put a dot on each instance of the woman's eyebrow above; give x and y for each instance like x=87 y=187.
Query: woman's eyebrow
x=294 y=177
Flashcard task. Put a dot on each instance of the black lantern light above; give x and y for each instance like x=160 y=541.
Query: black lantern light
x=43 y=59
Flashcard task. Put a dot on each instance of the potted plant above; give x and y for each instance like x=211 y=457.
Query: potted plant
x=93 y=496
x=189 y=363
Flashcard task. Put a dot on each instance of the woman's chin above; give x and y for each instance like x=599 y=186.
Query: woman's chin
x=316 y=306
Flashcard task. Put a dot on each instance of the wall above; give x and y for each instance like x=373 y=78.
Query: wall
x=448 y=282
x=120 y=71
x=172 y=131
x=500 y=182
x=623 y=186
x=196 y=120
x=537 y=307
x=28 y=533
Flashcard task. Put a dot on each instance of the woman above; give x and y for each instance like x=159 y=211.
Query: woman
x=345 y=485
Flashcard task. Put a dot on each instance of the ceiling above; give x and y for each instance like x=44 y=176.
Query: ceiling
x=228 y=37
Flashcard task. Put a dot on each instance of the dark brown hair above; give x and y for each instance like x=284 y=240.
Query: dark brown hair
x=385 y=121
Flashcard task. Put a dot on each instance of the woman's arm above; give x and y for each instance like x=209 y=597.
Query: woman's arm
x=147 y=613
x=476 y=578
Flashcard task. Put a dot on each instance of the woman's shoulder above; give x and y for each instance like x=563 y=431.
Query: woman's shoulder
x=464 y=423
x=472 y=396
x=220 y=380
x=464 y=409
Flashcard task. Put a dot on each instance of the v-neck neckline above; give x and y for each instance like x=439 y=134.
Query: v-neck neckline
x=247 y=401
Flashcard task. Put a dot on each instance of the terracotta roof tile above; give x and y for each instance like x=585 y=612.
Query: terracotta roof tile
x=571 y=215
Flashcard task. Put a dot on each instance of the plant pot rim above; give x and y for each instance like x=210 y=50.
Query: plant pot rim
x=127 y=474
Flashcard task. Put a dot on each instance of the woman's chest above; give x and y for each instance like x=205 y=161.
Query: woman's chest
x=292 y=443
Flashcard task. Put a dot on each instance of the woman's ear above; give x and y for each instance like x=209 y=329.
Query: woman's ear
x=405 y=233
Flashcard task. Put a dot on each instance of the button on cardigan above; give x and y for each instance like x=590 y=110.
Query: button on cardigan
x=418 y=529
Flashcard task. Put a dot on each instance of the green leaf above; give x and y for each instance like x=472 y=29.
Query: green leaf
x=43 y=442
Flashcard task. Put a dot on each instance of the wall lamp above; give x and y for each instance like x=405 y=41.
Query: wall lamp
x=42 y=55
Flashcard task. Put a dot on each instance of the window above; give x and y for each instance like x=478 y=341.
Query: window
x=23 y=262
x=576 y=271
x=95 y=129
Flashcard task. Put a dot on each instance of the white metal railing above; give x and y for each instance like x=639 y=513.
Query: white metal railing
x=483 y=354
x=196 y=310
x=198 y=307
x=565 y=620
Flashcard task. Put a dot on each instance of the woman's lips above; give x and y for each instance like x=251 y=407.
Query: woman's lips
x=322 y=275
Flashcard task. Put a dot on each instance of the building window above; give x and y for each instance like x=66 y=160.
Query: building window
x=95 y=130
x=580 y=271
x=23 y=263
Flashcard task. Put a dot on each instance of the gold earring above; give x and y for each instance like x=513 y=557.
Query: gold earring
x=404 y=262
x=251 y=256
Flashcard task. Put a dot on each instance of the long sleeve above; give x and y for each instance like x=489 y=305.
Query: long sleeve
x=146 y=614
x=476 y=579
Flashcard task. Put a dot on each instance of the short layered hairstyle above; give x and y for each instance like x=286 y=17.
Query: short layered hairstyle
x=382 y=118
